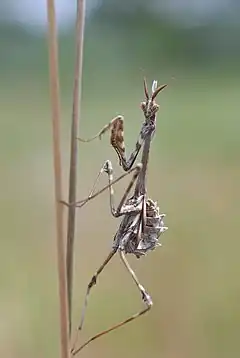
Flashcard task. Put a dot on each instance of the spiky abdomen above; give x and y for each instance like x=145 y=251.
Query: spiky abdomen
x=127 y=238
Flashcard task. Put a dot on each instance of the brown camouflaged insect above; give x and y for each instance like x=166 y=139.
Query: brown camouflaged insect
x=142 y=223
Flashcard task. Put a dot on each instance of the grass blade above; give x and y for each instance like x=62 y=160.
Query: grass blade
x=80 y=18
x=55 y=104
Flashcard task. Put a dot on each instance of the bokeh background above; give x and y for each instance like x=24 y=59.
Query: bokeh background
x=193 y=173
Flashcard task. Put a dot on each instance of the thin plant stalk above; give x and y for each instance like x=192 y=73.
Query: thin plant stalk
x=55 y=104
x=79 y=38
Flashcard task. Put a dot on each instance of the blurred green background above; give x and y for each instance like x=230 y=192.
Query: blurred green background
x=193 y=173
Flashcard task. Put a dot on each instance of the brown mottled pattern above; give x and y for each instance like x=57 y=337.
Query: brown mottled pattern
x=129 y=229
x=117 y=138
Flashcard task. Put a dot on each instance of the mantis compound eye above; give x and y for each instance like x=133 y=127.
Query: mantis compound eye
x=155 y=108
x=143 y=106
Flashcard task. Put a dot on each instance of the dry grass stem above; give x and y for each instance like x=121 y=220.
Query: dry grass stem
x=55 y=104
x=73 y=155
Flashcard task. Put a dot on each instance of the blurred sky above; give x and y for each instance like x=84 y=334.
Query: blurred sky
x=24 y=12
x=190 y=12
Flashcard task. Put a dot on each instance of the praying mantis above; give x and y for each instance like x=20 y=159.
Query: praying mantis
x=142 y=223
